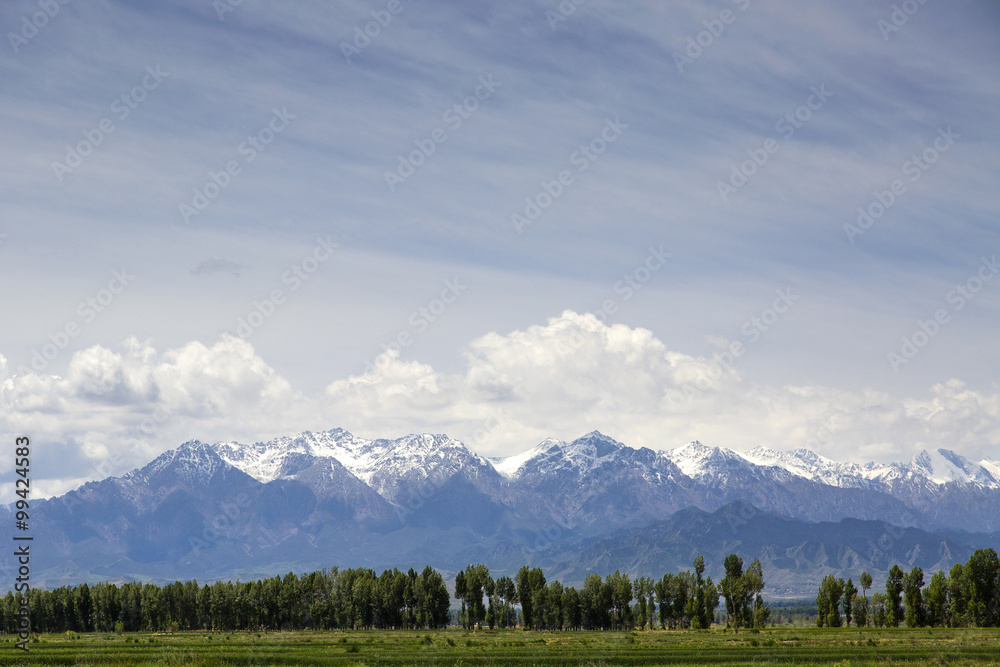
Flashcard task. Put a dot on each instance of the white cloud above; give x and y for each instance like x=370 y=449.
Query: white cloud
x=564 y=378
x=575 y=373
x=114 y=410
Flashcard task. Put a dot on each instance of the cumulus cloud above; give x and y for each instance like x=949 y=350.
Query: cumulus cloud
x=575 y=373
x=116 y=409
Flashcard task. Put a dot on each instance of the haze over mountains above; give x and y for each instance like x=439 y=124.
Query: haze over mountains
x=229 y=510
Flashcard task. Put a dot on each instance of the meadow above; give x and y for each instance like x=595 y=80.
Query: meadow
x=796 y=646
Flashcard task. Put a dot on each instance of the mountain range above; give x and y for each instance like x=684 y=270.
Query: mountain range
x=232 y=510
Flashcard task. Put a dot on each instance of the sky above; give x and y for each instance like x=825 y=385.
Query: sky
x=734 y=221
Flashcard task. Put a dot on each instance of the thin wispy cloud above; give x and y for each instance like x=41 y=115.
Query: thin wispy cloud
x=217 y=265
x=193 y=145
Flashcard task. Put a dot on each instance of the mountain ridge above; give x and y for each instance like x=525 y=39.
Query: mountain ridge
x=365 y=457
x=929 y=489
x=321 y=498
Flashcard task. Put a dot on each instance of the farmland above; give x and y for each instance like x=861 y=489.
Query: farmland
x=799 y=646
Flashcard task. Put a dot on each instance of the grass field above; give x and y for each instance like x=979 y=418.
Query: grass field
x=795 y=646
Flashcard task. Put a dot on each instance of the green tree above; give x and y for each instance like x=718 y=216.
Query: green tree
x=643 y=594
x=554 y=612
x=710 y=603
x=595 y=603
x=436 y=601
x=621 y=600
x=893 y=594
x=508 y=591
x=529 y=582
x=470 y=584
x=753 y=584
x=879 y=610
x=866 y=583
x=822 y=603
x=958 y=598
x=860 y=611
x=831 y=590
x=665 y=590
x=913 y=582
x=982 y=582
x=936 y=600
x=733 y=591
x=685 y=583
x=850 y=594
x=493 y=605
x=460 y=592
x=703 y=597
x=572 y=608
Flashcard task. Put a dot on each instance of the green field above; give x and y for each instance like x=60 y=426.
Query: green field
x=798 y=646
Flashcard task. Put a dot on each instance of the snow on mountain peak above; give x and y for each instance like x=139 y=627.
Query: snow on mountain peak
x=695 y=459
x=992 y=467
x=595 y=444
x=583 y=454
x=800 y=462
x=194 y=462
x=591 y=450
x=378 y=463
x=944 y=466
x=508 y=466
x=364 y=458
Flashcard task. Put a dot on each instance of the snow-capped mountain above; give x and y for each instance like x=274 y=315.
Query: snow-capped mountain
x=591 y=483
x=584 y=484
x=389 y=467
x=379 y=463
x=233 y=509
x=937 y=468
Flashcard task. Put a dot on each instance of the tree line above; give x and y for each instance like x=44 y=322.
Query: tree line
x=969 y=595
x=358 y=598
x=615 y=602
x=326 y=599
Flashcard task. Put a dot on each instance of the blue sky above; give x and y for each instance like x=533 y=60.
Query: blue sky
x=529 y=330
